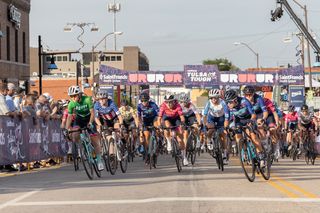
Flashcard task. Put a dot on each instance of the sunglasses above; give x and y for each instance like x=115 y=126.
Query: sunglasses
x=144 y=101
x=230 y=102
x=73 y=96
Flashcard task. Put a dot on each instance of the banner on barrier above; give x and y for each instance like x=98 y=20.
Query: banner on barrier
x=30 y=140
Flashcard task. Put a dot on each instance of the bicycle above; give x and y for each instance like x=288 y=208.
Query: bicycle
x=308 y=144
x=75 y=151
x=86 y=152
x=191 y=150
x=152 y=147
x=295 y=145
x=217 y=147
x=176 y=152
x=131 y=144
x=117 y=152
x=104 y=146
x=250 y=163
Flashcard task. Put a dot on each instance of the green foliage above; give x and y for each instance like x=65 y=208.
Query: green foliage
x=222 y=63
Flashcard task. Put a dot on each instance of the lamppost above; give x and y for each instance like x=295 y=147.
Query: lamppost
x=81 y=25
x=245 y=44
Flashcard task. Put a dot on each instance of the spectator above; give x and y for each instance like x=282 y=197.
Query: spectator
x=29 y=107
x=17 y=98
x=42 y=107
x=9 y=97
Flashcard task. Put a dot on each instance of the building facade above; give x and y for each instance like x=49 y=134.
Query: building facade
x=14 y=40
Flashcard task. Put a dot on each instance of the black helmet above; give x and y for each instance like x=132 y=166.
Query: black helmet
x=248 y=90
x=124 y=102
x=144 y=96
x=169 y=98
x=291 y=108
x=304 y=107
x=230 y=95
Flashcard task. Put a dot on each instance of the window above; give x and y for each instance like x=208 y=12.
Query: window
x=65 y=58
x=54 y=58
x=107 y=58
x=118 y=58
x=8 y=43
x=113 y=58
x=59 y=58
x=24 y=56
x=16 y=45
x=48 y=58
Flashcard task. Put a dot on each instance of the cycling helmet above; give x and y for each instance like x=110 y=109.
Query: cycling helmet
x=74 y=90
x=144 y=97
x=260 y=93
x=304 y=107
x=102 y=94
x=214 y=93
x=291 y=108
x=249 y=90
x=230 y=95
x=124 y=103
x=184 y=98
x=169 y=98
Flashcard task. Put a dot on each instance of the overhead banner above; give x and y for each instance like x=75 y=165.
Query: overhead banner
x=113 y=76
x=201 y=76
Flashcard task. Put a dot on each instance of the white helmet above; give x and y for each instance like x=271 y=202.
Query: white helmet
x=184 y=98
x=102 y=94
x=74 y=90
x=214 y=93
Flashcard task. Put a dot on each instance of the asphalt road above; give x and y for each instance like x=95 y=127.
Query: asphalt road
x=293 y=187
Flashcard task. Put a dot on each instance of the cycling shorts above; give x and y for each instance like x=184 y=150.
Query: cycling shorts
x=191 y=119
x=292 y=125
x=217 y=121
x=271 y=122
x=83 y=122
x=175 y=121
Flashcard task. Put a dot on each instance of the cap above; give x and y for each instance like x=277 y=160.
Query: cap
x=11 y=86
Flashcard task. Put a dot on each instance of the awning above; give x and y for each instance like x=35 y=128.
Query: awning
x=315 y=83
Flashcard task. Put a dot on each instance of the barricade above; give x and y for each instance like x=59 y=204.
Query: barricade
x=28 y=140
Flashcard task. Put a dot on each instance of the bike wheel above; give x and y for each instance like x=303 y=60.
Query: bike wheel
x=151 y=151
x=112 y=157
x=104 y=146
x=265 y=172
x=75 y=157
x=124 y=158
x=86 y=161
x=191 y=148
x=177 y=155
x=218 y=150
x=247 y=161
x=95 y=166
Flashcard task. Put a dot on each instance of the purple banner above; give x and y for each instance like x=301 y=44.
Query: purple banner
x=30 y=140
x=201 y=76
x=291 y=76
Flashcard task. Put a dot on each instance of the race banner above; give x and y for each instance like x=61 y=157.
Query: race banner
x=113 y=76
x=247 y=78
x=291 y=76
x=203 y=76
x=30 y=140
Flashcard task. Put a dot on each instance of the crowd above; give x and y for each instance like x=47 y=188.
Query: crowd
x=14 y=102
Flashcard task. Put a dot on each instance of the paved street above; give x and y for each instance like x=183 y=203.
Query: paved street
x=294 y=187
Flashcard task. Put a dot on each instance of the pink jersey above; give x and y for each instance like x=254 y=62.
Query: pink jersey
x=269 y=105
x=291 y=117
x=176 y=110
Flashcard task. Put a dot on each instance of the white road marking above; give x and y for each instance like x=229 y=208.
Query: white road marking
x=14 y=201
x=166 y=199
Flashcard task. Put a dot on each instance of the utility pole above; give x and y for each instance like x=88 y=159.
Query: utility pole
x=114 y=8
x=40 y=64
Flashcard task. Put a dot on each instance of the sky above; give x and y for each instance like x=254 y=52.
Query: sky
x=173 y=33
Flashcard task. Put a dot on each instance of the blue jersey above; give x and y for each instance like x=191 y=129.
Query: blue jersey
x=107 y=113
x=216 y=111
x=243 y=110
x=258 y=104
x=148 y=112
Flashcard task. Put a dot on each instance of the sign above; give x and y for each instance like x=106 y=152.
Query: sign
x=246 y=78
x=204 y=76
x=296 y=95
x=291 y=76
x=14 y=15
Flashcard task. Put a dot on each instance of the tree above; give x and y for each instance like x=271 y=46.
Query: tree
x=222 y=63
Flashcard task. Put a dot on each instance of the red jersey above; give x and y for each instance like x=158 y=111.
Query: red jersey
x=291 y=117
x=66 y=114
x=269 y=105
x=176 y=110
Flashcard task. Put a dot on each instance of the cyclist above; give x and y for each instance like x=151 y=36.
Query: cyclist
x=192 y=117
x=147 y=116
x=130 y=120
x=291 y=124
x=241 y=113
x=216 y=115
x=171 y=115
x=305 y=124
x=81 y=109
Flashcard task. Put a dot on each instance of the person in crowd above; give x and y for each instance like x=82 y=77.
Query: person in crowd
x=17 y=99
x=42 y=108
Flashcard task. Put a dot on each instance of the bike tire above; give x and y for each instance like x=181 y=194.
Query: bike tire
x=87 y=165
x=151 y=151
x=112 y=158
x=265 y=172
x=219 y=158
x=97 y=171
x=247 y=161
x=124 y=159
x=177 y=156
x=75 y=157
x=104 y=146
x=191 y=148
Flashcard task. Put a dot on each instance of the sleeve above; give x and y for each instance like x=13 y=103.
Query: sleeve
x=139 y=111
x=89 y=102
x=70 y=108
x=115 y=108
x=96 y=110
x=194 y=109
x=206 y=109
x=249 y=106
x=179 y=110
x=161 y=111
x=156 y=108
x=262 y=104
x=226 y=111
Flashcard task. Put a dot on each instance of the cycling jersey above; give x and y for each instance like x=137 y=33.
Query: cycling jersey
x=243 y=110
x=81 y=108
x=269 y=106
x=258 y=104
x=108 y=113
x=291 y=117
x=305 y=119
x=189 y=110
x=148 y=112
x=127 y=113
x=216 y=111
x=175 y=112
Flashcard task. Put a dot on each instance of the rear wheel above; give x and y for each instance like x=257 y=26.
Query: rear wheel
x=75 y=155
x=246 y=160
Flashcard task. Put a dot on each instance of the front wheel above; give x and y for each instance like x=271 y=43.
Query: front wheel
x=124 y=158
x=87 y=165
x=75 y=153
x=112 y=157
x=246 y=160
x=177 y=155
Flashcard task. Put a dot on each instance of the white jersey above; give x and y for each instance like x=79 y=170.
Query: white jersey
x=189 y=110
x=215 y=110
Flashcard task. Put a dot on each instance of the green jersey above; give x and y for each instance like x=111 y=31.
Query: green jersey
x=81 y=108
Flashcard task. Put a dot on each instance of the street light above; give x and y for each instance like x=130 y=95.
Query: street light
x=81 y=25
x=245 y=44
